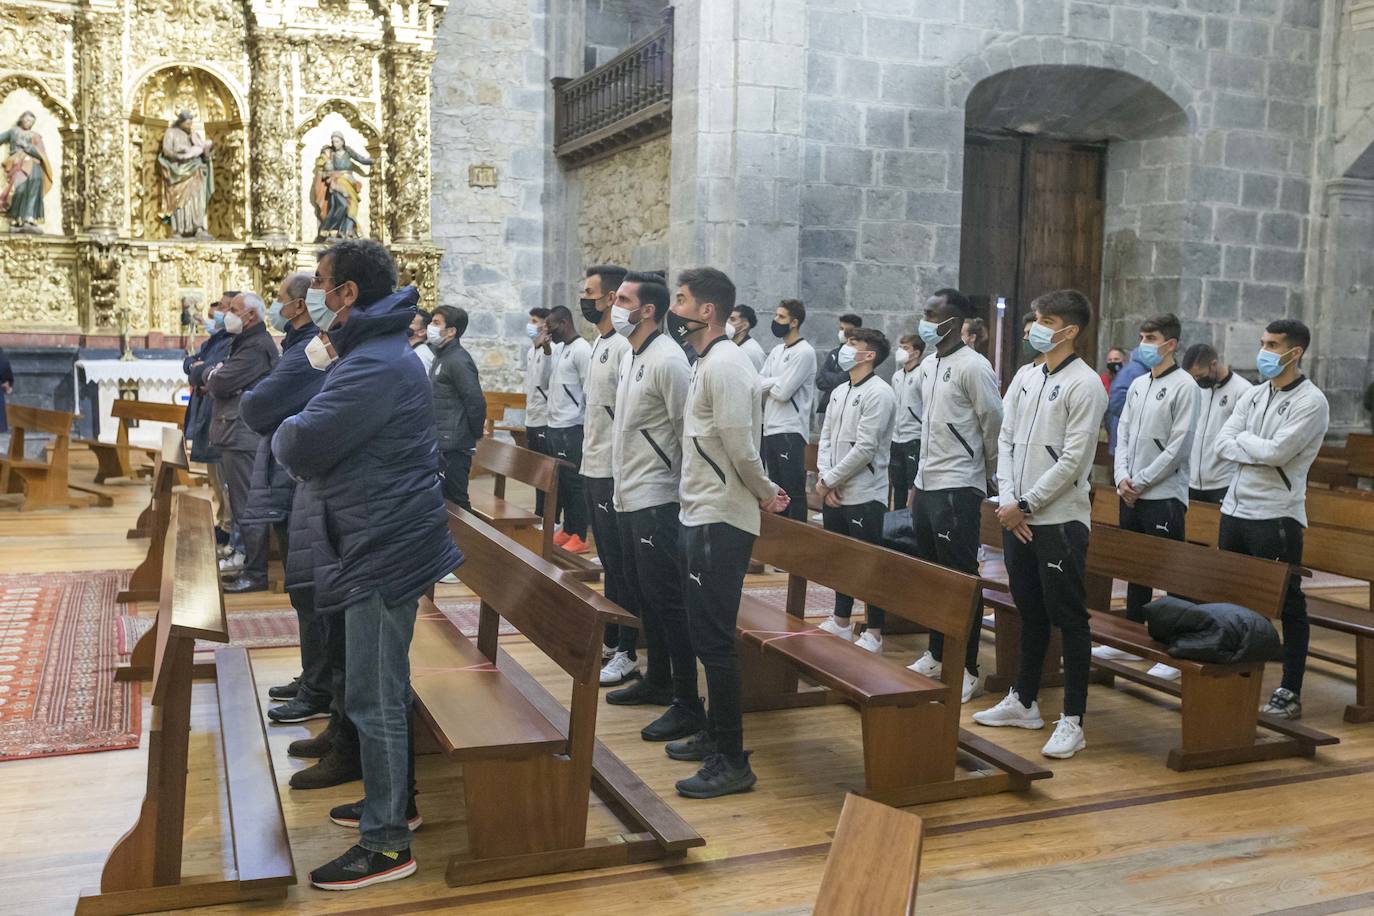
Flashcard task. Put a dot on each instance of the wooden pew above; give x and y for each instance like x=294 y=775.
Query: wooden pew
x=498 y=402
x=506 y=461
x=146 y=580
x=911 y=735
x=529 y=765
x=44 y=482
x=144 y=870
x=115 y=459
x=1359 y=454
x=874 y=862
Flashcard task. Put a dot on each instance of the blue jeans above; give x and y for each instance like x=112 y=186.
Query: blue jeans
x=378 y=703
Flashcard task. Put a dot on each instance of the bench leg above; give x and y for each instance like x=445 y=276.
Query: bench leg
x=1362 y=710
x=1007 y=655
x=907 y=746
x=769 y=682
x=1220 y=718
x=517 y=807
x=108 y=463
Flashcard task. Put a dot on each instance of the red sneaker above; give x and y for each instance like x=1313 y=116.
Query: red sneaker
x=575 y=544
x=560 y=538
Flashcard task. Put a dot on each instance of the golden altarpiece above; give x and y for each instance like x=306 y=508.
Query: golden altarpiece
x=286 y=91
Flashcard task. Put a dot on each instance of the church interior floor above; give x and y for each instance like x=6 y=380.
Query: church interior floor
x=1114 y=831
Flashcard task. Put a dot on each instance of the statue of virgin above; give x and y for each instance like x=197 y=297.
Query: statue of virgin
x=338 y=189
x=28 y=176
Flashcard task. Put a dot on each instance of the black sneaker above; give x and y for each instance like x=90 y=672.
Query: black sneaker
x=698 y=747
x=351 y=815
x=683 y=719
x=1284 y=704
x=641 y=693
x=359 y=868
x=718 y=776
x=334 y=769
x=297 y=710
x=285 y=691
x=312 y=748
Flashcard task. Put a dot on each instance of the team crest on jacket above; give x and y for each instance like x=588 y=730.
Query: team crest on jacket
x=946 y=374
x=1162 y=392
x=605 y=355
x=1283 y=408
x=640 y=374
x=1224 y=399
x=1054 y=393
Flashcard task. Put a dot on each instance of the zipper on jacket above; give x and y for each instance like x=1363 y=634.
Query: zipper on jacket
x=658 y=451
x=1284 y=478
x=609 y=412
x=1035 y=414
x=572 y=396
x=968 y=448
x=707 y=458
x=1135 y=439
x=1198 y=440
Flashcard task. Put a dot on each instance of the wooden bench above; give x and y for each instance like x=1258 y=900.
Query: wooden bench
x=514 y=462
x=911 y=734
x=1220 y=702
x=144 y=870
x=115 y=459
x=498 y=402
x=529 y=765
x=145 y=582
x=45 y=481
x=874 y=862
x=1359 y=455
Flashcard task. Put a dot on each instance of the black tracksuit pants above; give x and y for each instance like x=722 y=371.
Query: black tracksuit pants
x=457 y=469
x=566 y=445
x=316 y=685
x=606 y=531
x=1161 y=518
x=903 y=460
x=1047 y=583
x=864 y=522
x=1276 y=539
x=537 y=439
x=651 y=546
x=948 y=529
x=717 y=559
x=784 y=458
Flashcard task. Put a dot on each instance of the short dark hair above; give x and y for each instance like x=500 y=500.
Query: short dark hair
x=231 y=293
x=366 y=263
x=612 y=275
x=652 y=291
x=1199 y=354
x=795 y=310
x=979 y=329
x=539 y=312
x=706 y=284
x=1166 y=324
x=1068 y=304
x=1029 y=318
x=454 y=317
x=851 y=319
x=875 y=340
x=1293 y=331
x=918 y=345
x=961 y=303
x=747 y=313
x=424 y=314
x=560 y=313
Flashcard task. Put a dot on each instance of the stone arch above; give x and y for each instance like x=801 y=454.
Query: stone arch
x=219 y=74
x=375 y=148
x=55 y=103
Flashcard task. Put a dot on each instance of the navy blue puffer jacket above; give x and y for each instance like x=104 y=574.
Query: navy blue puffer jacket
x=213 y=351
x=374 y=519
x=282 y=393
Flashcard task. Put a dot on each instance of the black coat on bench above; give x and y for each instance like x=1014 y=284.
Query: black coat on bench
x=1217 y=633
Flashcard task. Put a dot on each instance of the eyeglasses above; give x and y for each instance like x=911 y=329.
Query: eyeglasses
x=320 y=281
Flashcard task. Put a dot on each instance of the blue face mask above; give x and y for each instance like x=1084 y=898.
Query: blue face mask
x=319 y=312
x=929 y=331
x=219 y=321
x=1148 y=354
x=275 y=317
x=1041 y=338
x=847 y=357
x=1269 y=363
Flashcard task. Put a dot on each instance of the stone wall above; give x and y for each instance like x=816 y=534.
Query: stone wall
x=622 y=214
x=614 y=25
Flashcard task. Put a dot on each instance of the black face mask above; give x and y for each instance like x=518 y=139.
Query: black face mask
x=680 y=328
x=1206 y=382
x=1113 y=368
x=780 y=329
x=589 y=310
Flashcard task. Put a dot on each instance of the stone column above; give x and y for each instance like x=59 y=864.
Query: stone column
x=272 y=148
x=407 y=142
x=101 y=55
x=1341 y=346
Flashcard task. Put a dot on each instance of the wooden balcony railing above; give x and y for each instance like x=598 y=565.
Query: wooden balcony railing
x=624 y=102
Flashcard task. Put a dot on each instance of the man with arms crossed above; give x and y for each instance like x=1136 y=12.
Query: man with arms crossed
x=1209 y=474
x=789 y=390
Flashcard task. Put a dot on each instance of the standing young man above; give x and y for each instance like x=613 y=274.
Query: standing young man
x=963 y=416
x=419 y=337
x=742 y=322
x=1273 y=437
x=852 y=466
x=1045 y=457
x=597 y=471
x=647 y=456
x=906 y=431
x=536 y=397
x=830 y=376
x=460 y=408
x=789 y=389
x=1221 y=390
x=724 y=487
x=565 y=379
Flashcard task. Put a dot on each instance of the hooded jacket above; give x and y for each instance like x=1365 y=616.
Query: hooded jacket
x=1219 y=633
x=374 y=519
x=282 y=393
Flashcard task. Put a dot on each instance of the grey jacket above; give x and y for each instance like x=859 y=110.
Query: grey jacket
x=252 y=354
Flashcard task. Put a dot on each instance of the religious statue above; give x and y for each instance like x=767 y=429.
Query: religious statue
x=28 y=176
x=188 y=179
x=337 y=190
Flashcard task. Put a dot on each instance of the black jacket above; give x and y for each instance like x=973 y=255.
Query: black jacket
x=252 y=354
x=211 y=353
x=1218 y=633
x=460 y=410
x=281 y=393
x=829 y=377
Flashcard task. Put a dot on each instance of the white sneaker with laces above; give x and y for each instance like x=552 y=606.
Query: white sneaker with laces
x=1167 y=672
x=234 y=561
x=1114 y=655
x=607 y=652
x=1011 y=712
x=618 y=669
x=873 y=642
x=973 y=686
x=832 y=627
x=928 y=665
x=1067 y=739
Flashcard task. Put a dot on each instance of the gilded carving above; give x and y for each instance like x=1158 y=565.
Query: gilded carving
x=212 y=30
x=272 y=149
x=102 y=262
x=336 y=68
x=102 y=178
x=419 y=265
x=38 y=284
x=408 y=182
x=34 y=41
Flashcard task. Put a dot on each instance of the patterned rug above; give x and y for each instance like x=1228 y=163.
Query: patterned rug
x=57 y=660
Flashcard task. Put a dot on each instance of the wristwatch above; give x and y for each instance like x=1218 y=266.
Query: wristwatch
x=1023 y=506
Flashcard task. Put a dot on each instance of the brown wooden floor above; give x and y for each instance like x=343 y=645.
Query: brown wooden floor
x=1113 y=832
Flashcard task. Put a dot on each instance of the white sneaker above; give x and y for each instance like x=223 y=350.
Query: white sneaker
x=1114 y=655
x=873 y=642
x=607 y=652
x=618 y=669
x=834 y=629
x=982 y=552
x=1067 y=739
x=1011 y=712
x=973 y=686
x=235 y=561
x=928 y=665
x=1167 y=672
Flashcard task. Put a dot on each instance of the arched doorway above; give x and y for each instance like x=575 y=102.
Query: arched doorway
x=1043 y=145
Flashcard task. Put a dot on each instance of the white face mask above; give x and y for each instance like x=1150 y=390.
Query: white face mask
x=732 y=329
x=233 y=323
x=317 y=351
x=840 y=335
x=433 y=335
x=620 y=320
x=901 y=355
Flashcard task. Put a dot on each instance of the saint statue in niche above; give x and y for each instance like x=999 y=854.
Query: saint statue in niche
x=188 y=179
x=28 y=176
x=338 y=189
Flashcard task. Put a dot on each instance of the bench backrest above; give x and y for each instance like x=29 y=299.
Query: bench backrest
x=870 y=832
x=505 y=459
x=190 y=603
x=498 y=402
x=1341 y=509
x=133 y=409
x=1330 y=472
x=1359 y=454
x=37 y=419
